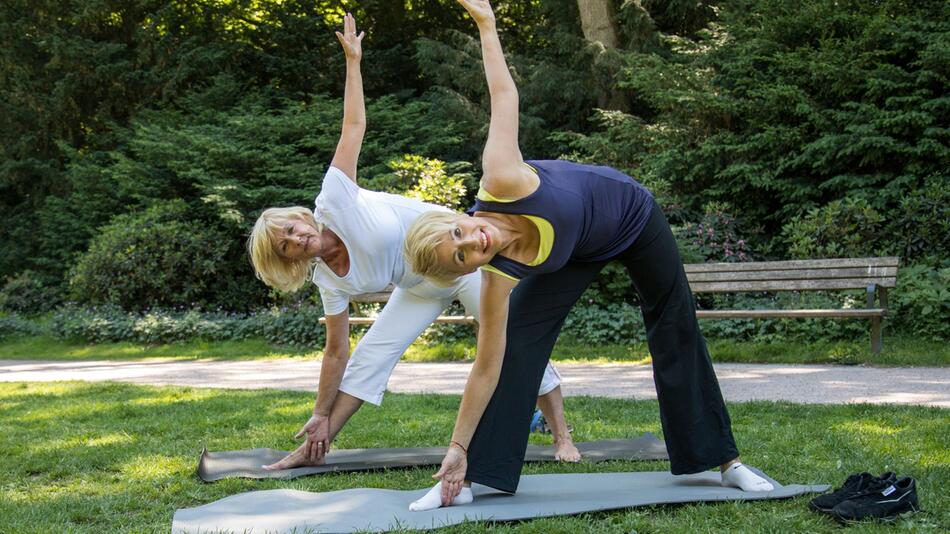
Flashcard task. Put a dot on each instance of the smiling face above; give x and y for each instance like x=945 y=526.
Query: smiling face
x=469 y=243
x=297 y=240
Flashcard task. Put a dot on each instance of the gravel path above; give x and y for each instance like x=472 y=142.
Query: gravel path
x=809 y=384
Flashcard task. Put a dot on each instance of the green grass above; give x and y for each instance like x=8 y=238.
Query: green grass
x=898 y=351
x=114 y=457
x=49 y=348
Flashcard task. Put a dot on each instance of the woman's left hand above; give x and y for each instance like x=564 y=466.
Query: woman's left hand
x=351 y=42
x=452 y=474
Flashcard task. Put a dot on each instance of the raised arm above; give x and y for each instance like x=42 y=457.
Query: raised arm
x=502 y=164
x=482 y=380
x=354 y=111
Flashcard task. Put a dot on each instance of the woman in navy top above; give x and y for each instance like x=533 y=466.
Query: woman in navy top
x=540 y=232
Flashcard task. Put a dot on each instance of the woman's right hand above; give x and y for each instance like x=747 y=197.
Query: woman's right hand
x=480 y=10
x=317 y=444
x=452 y=474
x=351 y=42
x=296 y=458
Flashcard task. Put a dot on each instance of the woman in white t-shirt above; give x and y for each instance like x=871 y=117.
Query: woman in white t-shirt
x=352 y=244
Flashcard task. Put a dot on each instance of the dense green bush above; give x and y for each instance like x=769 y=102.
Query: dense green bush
x=160 y=257
x=429 y=180
x=848 y=228
x=592 y=323
x=14 y=325
x=822 y=124
x=920 y=304
x=920 y=229
x=298 y=327
x=26 y=293
x=621 y=323
x=788 y=329
x=781 y=109
x=716 y=237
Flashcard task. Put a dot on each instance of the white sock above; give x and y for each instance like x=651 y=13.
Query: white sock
x=433 y=499
x=740 y=476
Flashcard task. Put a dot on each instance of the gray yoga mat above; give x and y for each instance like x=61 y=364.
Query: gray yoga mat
x=379 y=510
x=214 y=466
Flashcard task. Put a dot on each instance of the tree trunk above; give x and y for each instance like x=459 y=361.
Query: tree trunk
x=598 y=22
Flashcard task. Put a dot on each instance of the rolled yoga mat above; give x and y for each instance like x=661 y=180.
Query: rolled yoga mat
x=379 y=510
x=214 y=466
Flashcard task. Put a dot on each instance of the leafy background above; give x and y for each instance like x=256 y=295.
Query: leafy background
x=139 y=140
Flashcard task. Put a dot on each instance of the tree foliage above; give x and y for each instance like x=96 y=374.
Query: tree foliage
x=814 y=128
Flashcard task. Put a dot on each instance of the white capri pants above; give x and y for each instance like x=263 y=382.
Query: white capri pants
x=403 y=319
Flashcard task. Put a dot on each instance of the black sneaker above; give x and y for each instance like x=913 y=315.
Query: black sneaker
x=880 y=503
x=854 y=485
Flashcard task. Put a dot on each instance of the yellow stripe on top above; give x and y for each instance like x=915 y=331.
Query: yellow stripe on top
x=488 y=197
x=546 y=231
x=491 y=269
x=547 y=238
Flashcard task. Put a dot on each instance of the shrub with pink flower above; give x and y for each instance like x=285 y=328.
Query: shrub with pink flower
x=716 y=236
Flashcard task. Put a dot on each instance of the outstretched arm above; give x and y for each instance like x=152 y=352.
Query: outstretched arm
x=502 y=164
x=354 y=111
x=335 y=355
x=482 y=380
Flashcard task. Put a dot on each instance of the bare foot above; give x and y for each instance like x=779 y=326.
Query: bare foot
x=294 y=459
x=565 y=451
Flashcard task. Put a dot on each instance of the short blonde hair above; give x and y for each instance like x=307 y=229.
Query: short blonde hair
x=422 y=239
x=269 y=266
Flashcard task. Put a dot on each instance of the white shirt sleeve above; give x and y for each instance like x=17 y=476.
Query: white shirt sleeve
x=333 y=303
x=338 y=191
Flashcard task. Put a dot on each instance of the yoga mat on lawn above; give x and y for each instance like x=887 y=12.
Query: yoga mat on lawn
x=379 y=510
x=214 y=466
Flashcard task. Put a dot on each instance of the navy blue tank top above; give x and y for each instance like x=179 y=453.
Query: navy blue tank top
x=593 y=213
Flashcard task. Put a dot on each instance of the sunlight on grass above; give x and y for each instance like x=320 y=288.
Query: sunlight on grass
x=83 y=442
x=154 y=466
x=122 y=457
x=288 y=410
x=867 y=428
x=178 y=396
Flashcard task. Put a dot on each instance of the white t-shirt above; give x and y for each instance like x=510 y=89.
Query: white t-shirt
x=373 y=227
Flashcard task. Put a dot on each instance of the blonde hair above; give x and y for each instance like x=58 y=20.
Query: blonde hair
x=423 y=237
x=269 y=266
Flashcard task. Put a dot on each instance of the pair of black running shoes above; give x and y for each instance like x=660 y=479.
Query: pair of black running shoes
x=865 y=496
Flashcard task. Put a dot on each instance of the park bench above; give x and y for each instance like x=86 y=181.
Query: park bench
x=874 y=275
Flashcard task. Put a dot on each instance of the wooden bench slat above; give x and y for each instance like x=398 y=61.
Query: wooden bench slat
x=795 y=274
x=447 y=319
x=701 y=314
x=891 y=261
x=381 y=297
x=789 y=285
x=768 y=314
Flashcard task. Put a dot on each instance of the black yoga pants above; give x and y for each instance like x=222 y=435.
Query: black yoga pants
x=695 y=422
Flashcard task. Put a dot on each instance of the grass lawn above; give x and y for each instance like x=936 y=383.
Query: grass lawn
x=114 y=457
x=898 y=351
